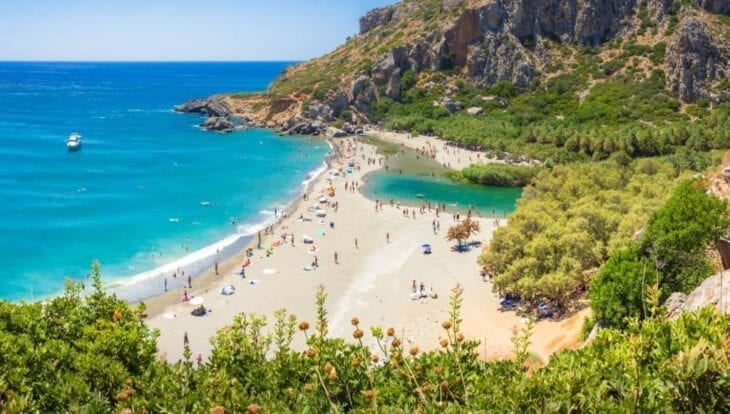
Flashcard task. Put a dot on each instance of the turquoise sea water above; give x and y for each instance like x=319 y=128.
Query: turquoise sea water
x=413 y=180
x=148 y=186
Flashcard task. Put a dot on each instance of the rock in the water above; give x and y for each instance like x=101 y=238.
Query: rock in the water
x=475 y=110
x=211 y=107
x=714 y=291
x=218 y=124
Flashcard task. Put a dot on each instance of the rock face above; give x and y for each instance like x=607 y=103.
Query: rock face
x=599 y=20
x=211 y=107
x=694 y=60
x=715 y=6
x=714 y=291
x=376 y=17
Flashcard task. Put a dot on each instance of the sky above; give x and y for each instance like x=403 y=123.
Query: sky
x=176 y=30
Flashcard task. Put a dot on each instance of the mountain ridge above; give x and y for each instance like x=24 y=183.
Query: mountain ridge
x=485 y=43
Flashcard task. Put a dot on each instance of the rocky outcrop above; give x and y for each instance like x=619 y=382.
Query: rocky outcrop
x=714 y=291
x=694 y=61
x=715 y=6
x=216 y=123
x=212 y=107
x=376 y=17
x=498 y=58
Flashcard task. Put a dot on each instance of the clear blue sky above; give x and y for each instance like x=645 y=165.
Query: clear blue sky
x=176 y=29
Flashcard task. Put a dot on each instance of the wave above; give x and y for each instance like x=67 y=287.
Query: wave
x=147 y=284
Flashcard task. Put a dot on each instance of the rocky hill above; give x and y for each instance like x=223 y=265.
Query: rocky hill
x=439 y=43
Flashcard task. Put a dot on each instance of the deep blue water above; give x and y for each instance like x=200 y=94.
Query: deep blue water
x=148 y=186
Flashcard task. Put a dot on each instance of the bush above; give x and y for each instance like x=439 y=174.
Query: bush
x=617 y=292
x=678 y=233
x=501 y=175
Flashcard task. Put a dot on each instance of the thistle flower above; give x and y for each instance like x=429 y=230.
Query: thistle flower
x=355 y=321
x=355 y=362
x=308 y=387
x=303 y=326
x=396 y=342
x=358 y=333
x=459 y=337
x=332 y=375
x=253 y=409
x=444 y=343
x=391 y=331
x=446 y=325
x=375 y=359
x=122 y=396
x=369 y=394
x=328 y=367
x=414 y=351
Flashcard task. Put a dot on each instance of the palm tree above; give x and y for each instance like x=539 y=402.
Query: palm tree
x=462 y=231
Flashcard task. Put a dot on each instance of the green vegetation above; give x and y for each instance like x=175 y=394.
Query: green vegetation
x=501 y=175
x=94 y=354
x=568 y=222
x=625 y=114
x=670 y=255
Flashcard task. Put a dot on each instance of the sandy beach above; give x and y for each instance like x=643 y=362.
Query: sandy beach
x=379 y=255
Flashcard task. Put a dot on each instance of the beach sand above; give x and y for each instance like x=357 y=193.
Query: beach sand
x=372 y=281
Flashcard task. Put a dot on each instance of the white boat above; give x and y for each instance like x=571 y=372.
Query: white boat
x=74 y=141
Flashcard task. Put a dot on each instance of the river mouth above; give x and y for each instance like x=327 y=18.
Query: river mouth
x=414 y=180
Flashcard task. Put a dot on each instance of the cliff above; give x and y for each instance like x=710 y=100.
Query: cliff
x=485 y=42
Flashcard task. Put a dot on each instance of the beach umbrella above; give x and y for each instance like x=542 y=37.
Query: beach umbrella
x=197 y=301
x=425 y=245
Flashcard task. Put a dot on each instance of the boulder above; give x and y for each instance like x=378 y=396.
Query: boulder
x=333 y=132
x=218 y=124
x=714 y=291
x=211 y=107
x=475 y=110
x=321 y=112
x=675 y=304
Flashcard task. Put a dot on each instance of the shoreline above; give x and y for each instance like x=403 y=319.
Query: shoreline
x=205 y=276
x=372 y=279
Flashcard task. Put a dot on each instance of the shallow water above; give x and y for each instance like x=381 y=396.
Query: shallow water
x=147 y=187
x=414 y=180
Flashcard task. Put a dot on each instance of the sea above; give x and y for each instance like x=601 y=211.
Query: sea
x=149 y=191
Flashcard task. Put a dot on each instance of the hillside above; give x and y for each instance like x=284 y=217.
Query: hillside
x=530 y=67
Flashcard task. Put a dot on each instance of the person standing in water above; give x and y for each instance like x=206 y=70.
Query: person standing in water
x=186 y=341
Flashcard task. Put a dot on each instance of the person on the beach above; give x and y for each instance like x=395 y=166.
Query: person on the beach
x=336 y=262
x=190 y=282
x=165 y=284
x=216 y=268
x=413 y=286
x=316 y=262
x=186 y=341
x=387 y=237
x=185 y=297
x=356 y=243
x=243 y=272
